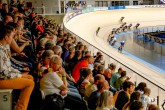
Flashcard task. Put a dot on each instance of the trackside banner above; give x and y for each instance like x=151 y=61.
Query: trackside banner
x=116 y=7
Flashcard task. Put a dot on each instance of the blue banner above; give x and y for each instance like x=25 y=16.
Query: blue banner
x=116 y=7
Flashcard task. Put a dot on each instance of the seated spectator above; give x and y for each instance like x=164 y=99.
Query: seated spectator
x=101 y=70
x=22 y=66
x=124 y=96
x=77 y=46
x=18 y=37
x=77 y=57
x=81 y=47
x=53 y=78
x=18 y=51
x=153 y=107
x=99 y=59
x=40 y=27
x=115 y=96
x=92 y=101
x=11 y=78
x=115 y=76
x=55 y=83
x=109 y=71
x=140 y=87
x=118 y=84
x=65 y=49
x=41 y=46
x=85 y=53
x=105 y=101
x=44 y=64
x=97 y=54
x=84 y=80
x=83 y=63
x=95 y=70
x=145 y=98
x=49 y=45
x=68 y=64
x=136 y=105
x=107 y=74
x=93 y=87
x=135 y=96
x=57 y=50
x=70 y=48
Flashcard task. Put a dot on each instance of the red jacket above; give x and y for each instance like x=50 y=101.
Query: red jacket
x=40 y=28
x=76 y=69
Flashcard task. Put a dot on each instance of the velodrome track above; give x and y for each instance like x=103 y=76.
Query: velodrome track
x=85 y=26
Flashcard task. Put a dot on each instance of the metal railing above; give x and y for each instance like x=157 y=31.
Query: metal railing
x=156 y=42
x=159 y=92
x=150 y=29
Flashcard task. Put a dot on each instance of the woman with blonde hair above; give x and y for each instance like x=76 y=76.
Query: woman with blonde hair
x=105 y=101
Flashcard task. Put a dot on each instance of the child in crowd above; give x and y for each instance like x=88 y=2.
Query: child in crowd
x=44 y=64
x=146 y=99
x=84 y=81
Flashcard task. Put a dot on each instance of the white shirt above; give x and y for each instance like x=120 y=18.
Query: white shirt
x=145 y=101
x=91 y=67
x=50 y=83
x=6 y=71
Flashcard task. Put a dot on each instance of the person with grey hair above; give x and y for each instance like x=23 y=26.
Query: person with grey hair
x=57 y=50
x=49 y=45
x=105 y=101
x=53 y=79
x=41 y=47
x=55 y=83
x=42 y=42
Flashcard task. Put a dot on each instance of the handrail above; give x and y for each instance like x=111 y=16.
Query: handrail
x=72 y=15
x=154 y=29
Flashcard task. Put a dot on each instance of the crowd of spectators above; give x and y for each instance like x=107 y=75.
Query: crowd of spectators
x=39 y=57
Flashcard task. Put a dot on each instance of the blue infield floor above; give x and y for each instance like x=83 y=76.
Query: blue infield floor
x=140 y=51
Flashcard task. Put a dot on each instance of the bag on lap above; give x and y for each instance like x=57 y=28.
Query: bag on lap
x=53 y=102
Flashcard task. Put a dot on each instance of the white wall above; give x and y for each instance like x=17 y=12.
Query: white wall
x=54 y=3
x=47 y=3
x=4 y=1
